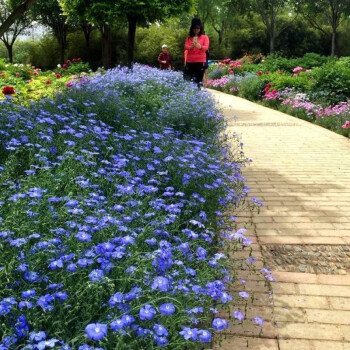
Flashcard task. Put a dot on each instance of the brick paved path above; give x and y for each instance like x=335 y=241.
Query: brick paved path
x=302 y=174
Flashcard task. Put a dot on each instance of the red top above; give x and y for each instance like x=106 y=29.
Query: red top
x=197 y=55
x=165 y=56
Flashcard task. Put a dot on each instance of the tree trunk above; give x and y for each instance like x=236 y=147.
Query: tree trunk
x=87 y=34
x=62 y=49
x=17 y=13
x=106 y=46
x=131 y=38
x=334 y=37
x=220 y=36
x=272 y=43
x=10 y=52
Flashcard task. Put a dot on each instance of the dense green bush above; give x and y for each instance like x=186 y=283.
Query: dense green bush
x=251 y=88
x=281 y=81
x=332 y=80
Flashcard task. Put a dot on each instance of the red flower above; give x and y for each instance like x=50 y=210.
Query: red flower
x=267 y=88
x=48 y=82
x=8 y=90
x=346 y=125
x=58 y=75
x=2 y=75
x=259 y=73
x=65 y=66
x=17 y=74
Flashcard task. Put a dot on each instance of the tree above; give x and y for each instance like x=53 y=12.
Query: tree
x=17 y=13
x=106 y=13
x=18 y=27
x=220 y=16
x=330 y=12
x=149 y=11
x=269 y=12
x=203 y=10
x=50 y=14
x=101 y=13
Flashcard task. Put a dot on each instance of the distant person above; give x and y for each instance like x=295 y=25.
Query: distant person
x=164 y=58
x=197 y=45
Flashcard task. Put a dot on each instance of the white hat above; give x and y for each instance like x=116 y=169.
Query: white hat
x=164 y=46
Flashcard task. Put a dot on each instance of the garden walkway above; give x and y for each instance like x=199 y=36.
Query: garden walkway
x=302 y=174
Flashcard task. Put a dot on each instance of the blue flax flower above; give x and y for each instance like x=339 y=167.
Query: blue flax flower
x=96 y=331
x=147 y=312
x=167 y=309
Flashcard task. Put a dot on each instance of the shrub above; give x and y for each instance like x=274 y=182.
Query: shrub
x=216 y=72
x=280 y=81
x=2 y=64
x=251 y=88
x=333 y=81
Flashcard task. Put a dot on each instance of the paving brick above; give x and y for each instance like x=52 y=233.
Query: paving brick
x=249 y=329
x=312 y=345
x=281 y=240
x=246 y=343
x=334 y=280
x=295 y=345
x=300 y=301
x=321 y=289
x=284 y=288
x=340 y=303
x=328 y=316
x=313 y=331
x=289 y=314
x=329 y=345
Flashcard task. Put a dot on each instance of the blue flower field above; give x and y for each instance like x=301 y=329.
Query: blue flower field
x=112 y=210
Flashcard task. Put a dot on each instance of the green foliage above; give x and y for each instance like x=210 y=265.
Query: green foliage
x=332 y=80
x=277 y=62
x=333 y=123
x=251 y=88
x=2 y=64
x=149 y=42
x=281 y=81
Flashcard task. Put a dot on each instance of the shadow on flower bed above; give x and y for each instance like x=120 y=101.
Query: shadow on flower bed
x=109 y=230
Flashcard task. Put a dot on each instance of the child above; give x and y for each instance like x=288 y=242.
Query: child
x=164 y=58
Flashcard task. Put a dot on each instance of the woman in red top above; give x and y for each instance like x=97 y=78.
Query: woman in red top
x=197 y=44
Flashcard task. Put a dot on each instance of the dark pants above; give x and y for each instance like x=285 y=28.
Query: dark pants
x=194 y=72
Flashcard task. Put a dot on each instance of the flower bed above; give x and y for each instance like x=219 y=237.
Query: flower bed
x=26 y=83
x=320 y=95
x=110 y=215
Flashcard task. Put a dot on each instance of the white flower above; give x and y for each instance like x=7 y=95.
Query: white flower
x=59 y=66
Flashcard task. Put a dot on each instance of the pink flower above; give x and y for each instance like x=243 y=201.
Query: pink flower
x=346 y=124
x=69 y=83
x=298 y=69
x=48 y=82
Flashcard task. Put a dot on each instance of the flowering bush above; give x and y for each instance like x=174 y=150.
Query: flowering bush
x=110 y=214
x=279 y=82
x=30 y=83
